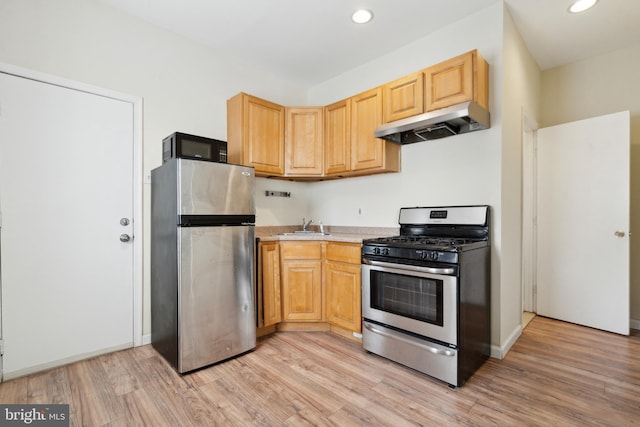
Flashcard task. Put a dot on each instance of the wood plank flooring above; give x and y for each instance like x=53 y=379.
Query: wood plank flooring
x=557 y=374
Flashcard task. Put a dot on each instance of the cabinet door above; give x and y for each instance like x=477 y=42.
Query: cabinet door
x=304 y=142
x=337 y=134
x=459 y=79
x=403 y=97
x=367 y=152
x=264 y=138
x=449 y=82
x=300 y=249
x=344 y=252
x=270 y=278
x=255 y=134
x=302 y=290
x=343 y=295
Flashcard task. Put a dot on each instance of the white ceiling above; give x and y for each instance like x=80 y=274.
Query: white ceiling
x=314 y=40
x=555 y=37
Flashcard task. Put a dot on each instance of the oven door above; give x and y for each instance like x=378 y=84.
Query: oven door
x=422 y=300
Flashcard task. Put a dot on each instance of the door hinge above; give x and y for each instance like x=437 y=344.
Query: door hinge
x=1 y=347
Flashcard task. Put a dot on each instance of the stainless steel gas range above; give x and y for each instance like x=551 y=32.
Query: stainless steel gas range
x=426 y=292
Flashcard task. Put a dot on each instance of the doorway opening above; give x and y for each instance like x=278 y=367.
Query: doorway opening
x=529 y=221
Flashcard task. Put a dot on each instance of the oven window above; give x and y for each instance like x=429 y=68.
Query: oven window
x=419 y=298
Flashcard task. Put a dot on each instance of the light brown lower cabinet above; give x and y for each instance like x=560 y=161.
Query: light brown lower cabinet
x=342 y=279
x=343 y=295
x=309 y=283
x=269 y=283
x=301 y=281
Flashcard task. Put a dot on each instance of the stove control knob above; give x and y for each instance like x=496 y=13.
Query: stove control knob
x=376 y=251
x=433 y=256
x=385 y=251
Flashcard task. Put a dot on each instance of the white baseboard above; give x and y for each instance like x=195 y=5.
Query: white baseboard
x=501 y=351
x=61 y=362
x=634 y=324
x=146 y=339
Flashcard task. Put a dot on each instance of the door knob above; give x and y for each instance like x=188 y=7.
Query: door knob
x=125 y=238
x=619 y=233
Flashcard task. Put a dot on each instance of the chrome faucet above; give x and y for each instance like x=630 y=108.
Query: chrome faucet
x=305 y=224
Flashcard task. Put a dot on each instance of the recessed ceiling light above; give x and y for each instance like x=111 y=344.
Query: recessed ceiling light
x=581 y=5
x=362 y=16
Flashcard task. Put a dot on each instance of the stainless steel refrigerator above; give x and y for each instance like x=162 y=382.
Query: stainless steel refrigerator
x=202 y=262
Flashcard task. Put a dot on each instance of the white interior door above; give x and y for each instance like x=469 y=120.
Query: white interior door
x=583 y=222
x=66 y=180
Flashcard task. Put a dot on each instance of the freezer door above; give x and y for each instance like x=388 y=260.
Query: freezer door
x=216 y=311
x=206 y=188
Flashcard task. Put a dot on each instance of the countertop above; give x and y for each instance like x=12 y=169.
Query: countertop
x=336 y=233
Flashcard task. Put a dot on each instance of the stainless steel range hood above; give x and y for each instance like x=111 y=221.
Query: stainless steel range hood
x=459 y=118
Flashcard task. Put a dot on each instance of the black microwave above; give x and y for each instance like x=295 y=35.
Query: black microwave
x=184 y=146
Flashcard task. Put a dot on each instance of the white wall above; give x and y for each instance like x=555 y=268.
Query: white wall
x=282 y=210
x=521 y=93
x=465 y=169
x=601 y=85
x=184 y=85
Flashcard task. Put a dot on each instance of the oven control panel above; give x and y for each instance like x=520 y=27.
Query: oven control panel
x=391 y=253
x=429 y=255
x=380 y=251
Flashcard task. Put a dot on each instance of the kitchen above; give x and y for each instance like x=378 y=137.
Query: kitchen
x=131 y=60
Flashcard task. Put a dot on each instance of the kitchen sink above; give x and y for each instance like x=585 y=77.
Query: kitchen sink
x=304 y=233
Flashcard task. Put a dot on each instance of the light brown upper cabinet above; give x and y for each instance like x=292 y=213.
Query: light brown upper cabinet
x=315 y=143
x=337 y=138
x=255 y=134
x=456 y=80
x=403 y=97
x=368 y=153
x=304 y=154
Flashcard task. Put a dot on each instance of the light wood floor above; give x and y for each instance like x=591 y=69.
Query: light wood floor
x=527 y=317
x=557 y=374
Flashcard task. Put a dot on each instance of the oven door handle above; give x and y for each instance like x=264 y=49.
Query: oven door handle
x=433 y=350
x=432 y=270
